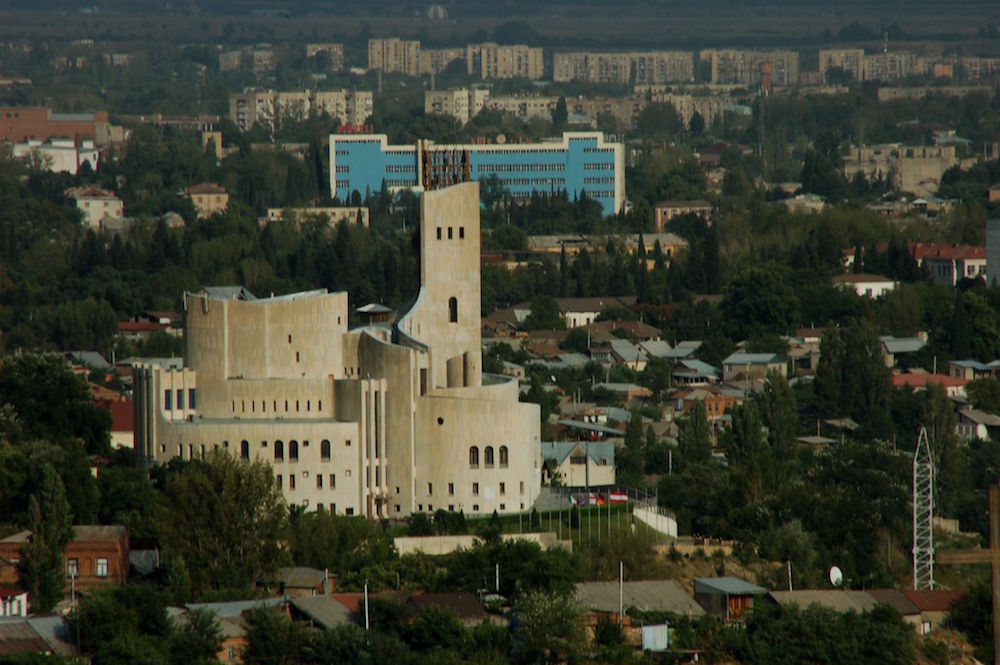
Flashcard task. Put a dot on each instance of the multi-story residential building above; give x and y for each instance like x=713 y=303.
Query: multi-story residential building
x=892 y=66
x=435 y=61
x=461 y=103
x=97 y=205
x=492 y=61
x=743 y=67
x=58 y=155
x=711 y=108
x=524 y=106
x=648 y=67
x=382 y=420
x=351 y=107
x=394 y=55
x=333 y=51
x=850 y=60
x=577 y=162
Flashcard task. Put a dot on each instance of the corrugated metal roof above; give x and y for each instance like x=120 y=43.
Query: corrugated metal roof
x=933 y=601
x=235 y=608
x=18 y=637
x=601 y=452
x=840 y=600
x=300 y=577
x=727 y=586
x=465 y=605
x=751 y=359
x=324 y=610
x=644 y=595
x=895 y=599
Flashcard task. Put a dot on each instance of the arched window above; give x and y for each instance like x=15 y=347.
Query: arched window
x=245 y=449
x=474 y=457
x=293 y=450
x=453 y=309
x=489 y=457
x=279 y=450
x=503 y=457
x=324 y=449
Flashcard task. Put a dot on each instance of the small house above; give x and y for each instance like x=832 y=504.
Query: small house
x=726 y=597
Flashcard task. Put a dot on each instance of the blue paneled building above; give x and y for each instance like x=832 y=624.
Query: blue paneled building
x=578 y=162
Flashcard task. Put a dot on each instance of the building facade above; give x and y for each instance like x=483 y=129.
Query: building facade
x=463 y=104
x=377 y=421
x=265 y=107
x=394 y=55
x=850 y=60
x=743 y=67
x=641 y=68
x=579 y=162
x=493 y=61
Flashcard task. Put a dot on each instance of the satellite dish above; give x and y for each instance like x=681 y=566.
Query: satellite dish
x=836 y=576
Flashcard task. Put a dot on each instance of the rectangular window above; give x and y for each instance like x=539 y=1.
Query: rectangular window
x=319 y=481
x=475 y=489
x=451 y=489
x=280 y=485
x=449 y=233
x=333 y=481
x=167 y=400
x=430 y=489
x=180 y=398
x=73 y=568
x=291 y=481
x=522 y=487
x=349 y=511
x=191 y=398
x=439 y=232
x=102 y=567
x=461 y=233
x=503 y=488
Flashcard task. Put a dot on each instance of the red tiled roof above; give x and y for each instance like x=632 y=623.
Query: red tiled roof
x=933 y=250
x=922 y=380
x=140 y=326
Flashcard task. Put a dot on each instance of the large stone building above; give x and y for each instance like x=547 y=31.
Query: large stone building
x=908 y=168
x=576 y=162
x=379 y=420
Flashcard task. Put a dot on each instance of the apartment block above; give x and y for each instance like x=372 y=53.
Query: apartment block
x=636 y=67
x=335 y=52
x=265 y=107
x=892 y=66
x=435 y=61
x=461 y=103
x=743 y=67
x=850 y=60
x=394 y=55
x=492 y=61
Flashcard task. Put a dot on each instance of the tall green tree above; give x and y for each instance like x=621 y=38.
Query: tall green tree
x=40 y=567
x=240 y=529
x=196 y=640
x=778 y=409
x=694 y=443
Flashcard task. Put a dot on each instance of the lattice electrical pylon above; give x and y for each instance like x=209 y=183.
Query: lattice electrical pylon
x=923 y=514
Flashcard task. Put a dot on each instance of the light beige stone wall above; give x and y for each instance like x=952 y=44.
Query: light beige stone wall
x=449 y=268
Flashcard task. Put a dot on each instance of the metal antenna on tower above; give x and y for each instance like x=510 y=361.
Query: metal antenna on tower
x=923 y=514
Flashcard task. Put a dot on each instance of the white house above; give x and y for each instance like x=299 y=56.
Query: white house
x=96 y=205
x=871 y=286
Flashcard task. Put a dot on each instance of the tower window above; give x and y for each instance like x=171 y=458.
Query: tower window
x=453 y=309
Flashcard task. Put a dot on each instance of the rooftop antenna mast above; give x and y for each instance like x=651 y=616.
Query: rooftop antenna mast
x=923 y=514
